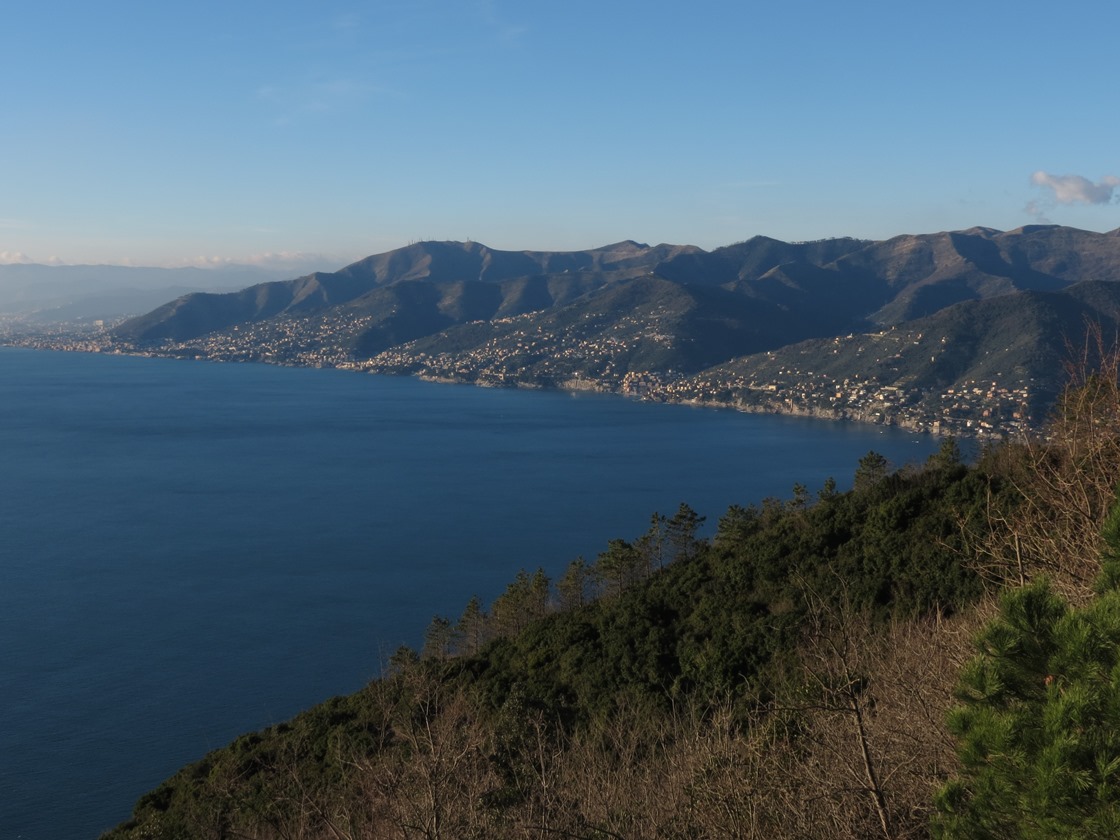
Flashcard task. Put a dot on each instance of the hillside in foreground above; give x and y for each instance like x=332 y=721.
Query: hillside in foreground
x=607 y=672
x=790 y=677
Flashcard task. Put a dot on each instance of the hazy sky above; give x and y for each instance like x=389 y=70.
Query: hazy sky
x=176 y=133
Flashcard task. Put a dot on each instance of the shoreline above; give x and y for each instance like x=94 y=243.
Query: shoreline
x=576 y=384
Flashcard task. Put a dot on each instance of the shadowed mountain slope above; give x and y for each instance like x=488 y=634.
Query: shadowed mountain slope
x=1025 y=338
x=435 y=263
x=831 y=285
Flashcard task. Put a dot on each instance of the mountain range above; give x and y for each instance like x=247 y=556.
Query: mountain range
x=955 y=307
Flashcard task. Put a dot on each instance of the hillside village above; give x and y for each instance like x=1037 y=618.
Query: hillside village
x=953 y=333
x=520 y=356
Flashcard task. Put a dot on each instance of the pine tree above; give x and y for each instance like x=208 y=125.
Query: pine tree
x=828 y=491
x=681 y=530
x=618 y=568
x=572 y=587
x=651 y=544
x=472 y=631
x=947 y=456
x=872 y=469
x=1039 y=729
x=439 y=639
x=524 y=601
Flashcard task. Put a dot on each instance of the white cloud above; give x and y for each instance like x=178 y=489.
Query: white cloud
x=1074 y=189
x=297 y=261
x=1036 y=210
x=14 y=258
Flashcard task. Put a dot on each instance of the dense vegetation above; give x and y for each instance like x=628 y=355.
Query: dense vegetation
x=789 y=677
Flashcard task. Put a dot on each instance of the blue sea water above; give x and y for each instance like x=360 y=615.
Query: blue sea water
x=189 y=551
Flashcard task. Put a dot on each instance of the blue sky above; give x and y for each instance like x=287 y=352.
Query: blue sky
x=317 y=133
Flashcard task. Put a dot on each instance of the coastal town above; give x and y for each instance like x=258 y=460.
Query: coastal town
x=519 y=354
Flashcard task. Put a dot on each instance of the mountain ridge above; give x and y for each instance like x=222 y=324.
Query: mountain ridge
x=664 y=313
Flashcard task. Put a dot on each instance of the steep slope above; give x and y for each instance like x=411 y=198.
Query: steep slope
x=929 y=272
x=834 y=284
x=437 y=263
x=408 y=310
x=525 y=703
x=1021 y=340
x=200 y=313
x=647 y=323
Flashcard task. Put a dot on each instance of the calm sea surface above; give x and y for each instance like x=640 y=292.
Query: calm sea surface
x=189 y=551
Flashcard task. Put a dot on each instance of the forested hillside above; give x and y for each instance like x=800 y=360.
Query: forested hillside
x=792 y=676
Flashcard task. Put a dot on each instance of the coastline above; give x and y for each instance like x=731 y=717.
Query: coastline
x=665 y=389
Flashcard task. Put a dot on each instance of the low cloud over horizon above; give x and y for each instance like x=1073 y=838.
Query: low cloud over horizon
x=20 y=258
x=293 y=261
x=1076 y=189
x=270 y=260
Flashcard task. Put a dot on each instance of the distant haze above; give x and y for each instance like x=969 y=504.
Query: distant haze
x=45 y=294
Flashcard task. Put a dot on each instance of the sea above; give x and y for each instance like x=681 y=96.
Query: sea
x=192 y=550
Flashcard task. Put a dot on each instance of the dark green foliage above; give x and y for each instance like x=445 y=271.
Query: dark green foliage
x=872 y=469
x=719 y=622
x=652 y=544
x=238 y=785
x=828 y=491
x=573 y=589
x=738 y=524
x=1039 y=731
x=1039 y=726
x=947 y=456
x=439 y=639
x=524 y=601
x=681 y=530
x=619 y=568
x=723 y=615
x=1110 y=553
x=472 y=632
x=403 y=659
